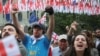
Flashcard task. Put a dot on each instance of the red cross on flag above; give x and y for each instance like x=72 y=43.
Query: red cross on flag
x=9 y=47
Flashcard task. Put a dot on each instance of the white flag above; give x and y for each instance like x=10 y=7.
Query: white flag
x=9 y=47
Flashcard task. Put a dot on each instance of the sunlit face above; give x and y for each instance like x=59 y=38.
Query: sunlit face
x=80 y=43
x=8 y=30
x=63 y=44
x=37 y=32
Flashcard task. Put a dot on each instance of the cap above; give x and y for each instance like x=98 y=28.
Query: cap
x=63 y=36
x=36 y=24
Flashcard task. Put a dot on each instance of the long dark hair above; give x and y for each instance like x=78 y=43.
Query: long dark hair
x=71 y=51
x=90 y=37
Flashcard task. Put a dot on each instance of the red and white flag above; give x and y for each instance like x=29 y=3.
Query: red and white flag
x=7 y=7
x=22 y=5
x=43 y=19
x=30 y=5
x=9 y=47
x=54 y=36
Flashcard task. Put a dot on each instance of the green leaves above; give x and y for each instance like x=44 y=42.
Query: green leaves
x=86 y=22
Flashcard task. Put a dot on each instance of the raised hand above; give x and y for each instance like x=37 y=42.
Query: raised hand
x=74 y=25
x=49 y=10
x=14 y=10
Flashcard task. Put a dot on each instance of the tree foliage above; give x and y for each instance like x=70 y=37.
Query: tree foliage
x=90 y=22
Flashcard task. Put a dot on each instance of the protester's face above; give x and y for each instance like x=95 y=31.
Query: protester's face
x=80 y=43
x=37 y=32
x=8 y=30
x=63 y=44
x=98 y=33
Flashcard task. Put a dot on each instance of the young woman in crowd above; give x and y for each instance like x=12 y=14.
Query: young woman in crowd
x=79 y=46
x=94 y=51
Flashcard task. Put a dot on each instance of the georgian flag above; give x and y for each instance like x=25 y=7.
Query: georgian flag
x=7 y=7
x=9 y=47
x=42 y=19
x=54 y=36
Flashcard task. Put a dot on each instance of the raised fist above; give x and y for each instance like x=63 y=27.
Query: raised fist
x=14 y=10
x=74 y=25
x=49 y=10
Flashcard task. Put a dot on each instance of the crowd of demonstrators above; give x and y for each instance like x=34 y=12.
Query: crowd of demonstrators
x=64 y=40
x=91 y=40
x=78 y=42
x=75 y=42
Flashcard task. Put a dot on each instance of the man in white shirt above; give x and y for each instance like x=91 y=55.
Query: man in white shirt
x=62 y=46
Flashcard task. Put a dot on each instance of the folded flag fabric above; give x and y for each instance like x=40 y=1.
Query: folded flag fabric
x=9 y=47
